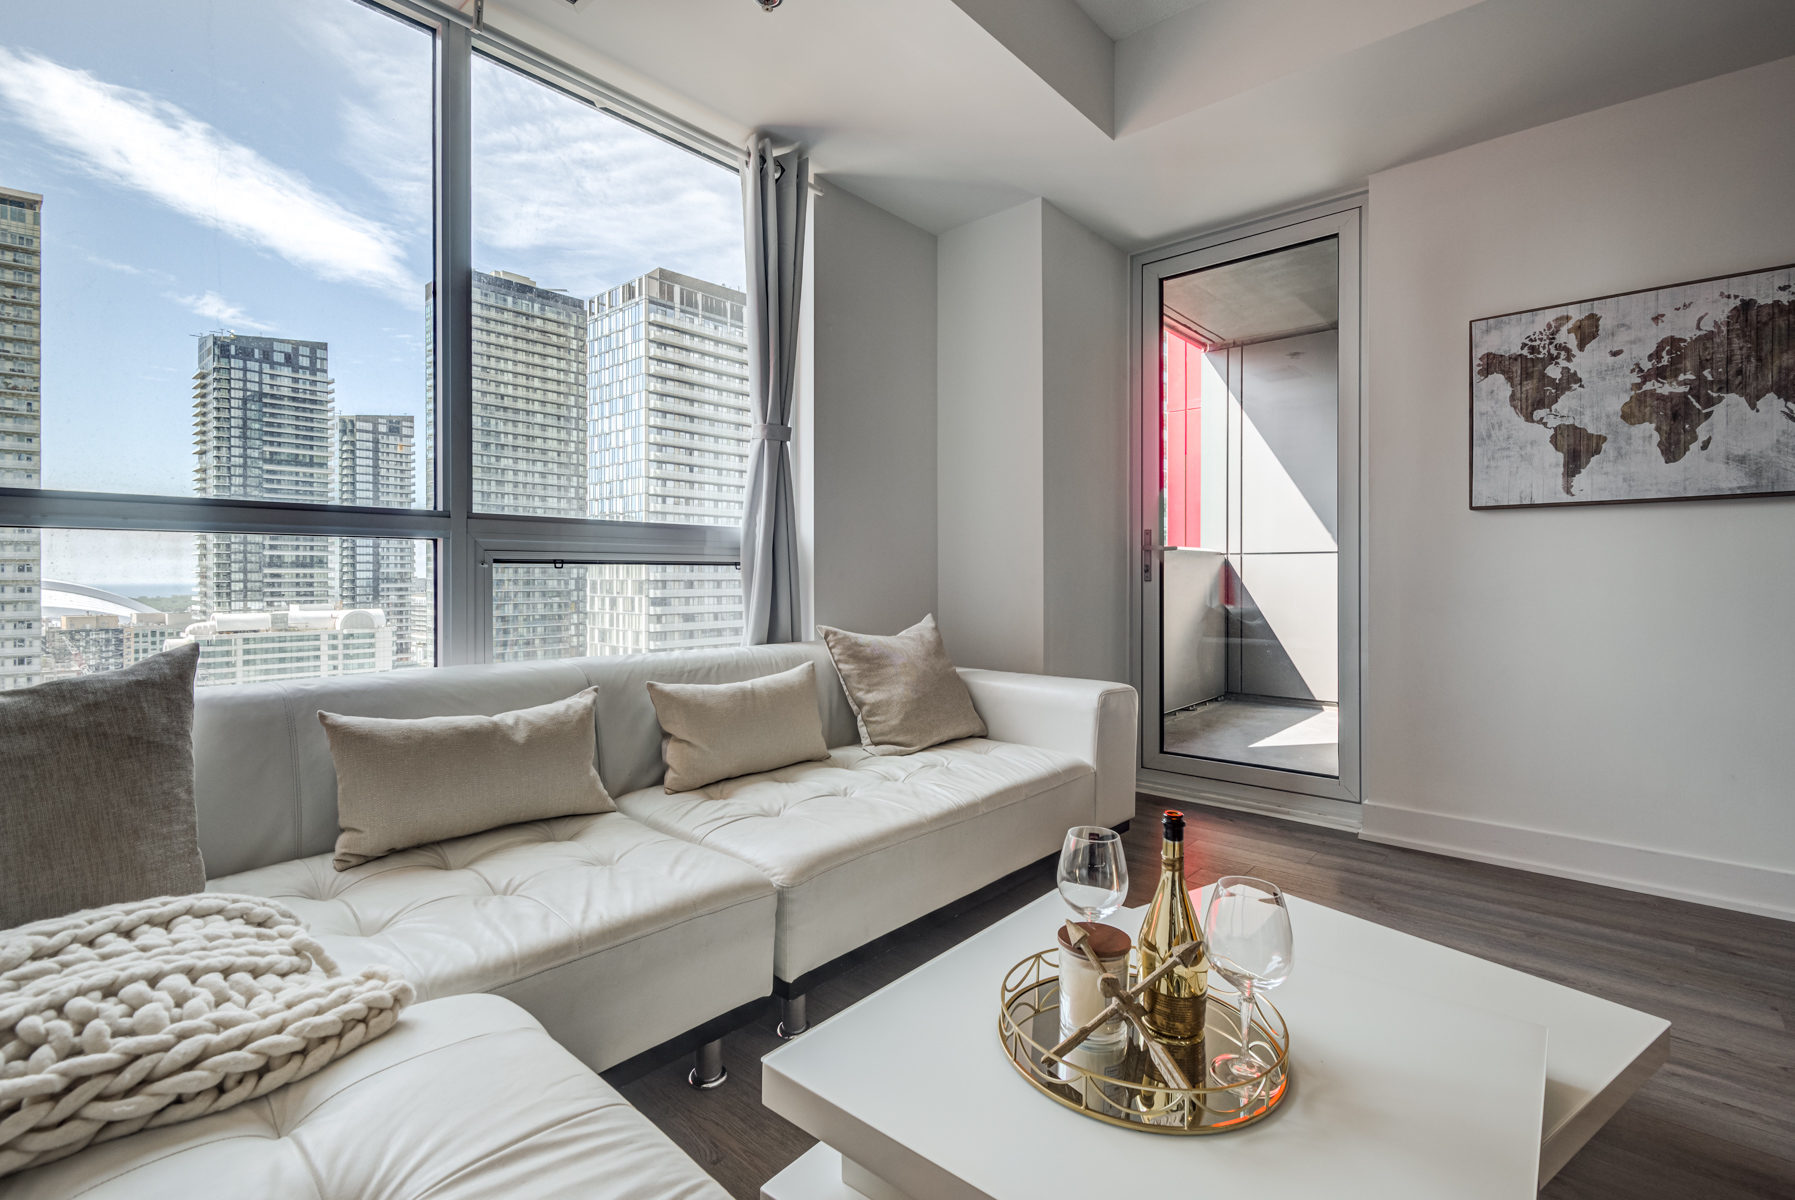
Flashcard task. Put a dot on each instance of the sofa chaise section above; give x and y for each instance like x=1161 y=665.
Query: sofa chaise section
x=612 y=935
x=464 y=1099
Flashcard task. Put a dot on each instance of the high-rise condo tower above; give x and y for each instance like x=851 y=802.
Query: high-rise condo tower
x=21 y=431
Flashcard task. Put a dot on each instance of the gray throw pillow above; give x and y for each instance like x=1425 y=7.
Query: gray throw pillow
x=722 y=730
x=96 y=790
x=904 y=691
x=403 y=783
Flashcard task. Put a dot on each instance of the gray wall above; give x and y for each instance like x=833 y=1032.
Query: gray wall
x=1193 y=628
x=1031 y=464
x=1085 y=449
x=989 y=466
x=1289 y=520
x=872 y=440
x=1599 y=692
x=967 y=449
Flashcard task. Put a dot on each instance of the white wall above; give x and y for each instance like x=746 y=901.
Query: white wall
x=1289 y=516
x=1084 y=319
x=1032 y=450
x=871 y=441
x=989 y=441
x=1599 y=692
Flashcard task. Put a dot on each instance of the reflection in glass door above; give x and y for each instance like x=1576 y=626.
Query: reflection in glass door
x=1249 y=435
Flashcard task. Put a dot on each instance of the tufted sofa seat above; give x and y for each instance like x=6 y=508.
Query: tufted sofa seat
x=464 y=1098
x=585 y=921
x=910 y=830
x=617 y=938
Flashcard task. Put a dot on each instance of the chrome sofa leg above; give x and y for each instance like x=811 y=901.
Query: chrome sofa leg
x=708 y=1071
x=791 y=1017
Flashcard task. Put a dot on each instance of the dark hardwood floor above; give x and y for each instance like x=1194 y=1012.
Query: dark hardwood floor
x=1718 y=1121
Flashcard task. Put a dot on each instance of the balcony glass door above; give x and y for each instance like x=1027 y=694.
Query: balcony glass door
x=1243 y=454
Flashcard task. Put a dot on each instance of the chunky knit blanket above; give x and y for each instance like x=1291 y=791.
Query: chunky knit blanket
x=143 y=1014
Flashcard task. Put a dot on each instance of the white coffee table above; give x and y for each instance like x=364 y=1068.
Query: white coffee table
x=1417 y=1071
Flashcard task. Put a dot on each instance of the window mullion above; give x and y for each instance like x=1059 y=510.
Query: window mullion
x=52 y=509
x=463 y=583
x=513 y=538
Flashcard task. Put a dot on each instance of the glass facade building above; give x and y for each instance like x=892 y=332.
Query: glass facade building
x=529 y=387
x=296 y=644
x=670 y=423
x=377 y=468
x=263 y=421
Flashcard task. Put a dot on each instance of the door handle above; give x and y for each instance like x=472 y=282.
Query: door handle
x=1147 y=556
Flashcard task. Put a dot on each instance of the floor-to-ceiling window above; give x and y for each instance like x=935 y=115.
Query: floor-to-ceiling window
x=307 y=312
x=1246 y=664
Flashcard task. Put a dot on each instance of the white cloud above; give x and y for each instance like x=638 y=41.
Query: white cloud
x=385 y=103
x=216 y=308
x=581 y=201
x=133 y=139
x=114 y=266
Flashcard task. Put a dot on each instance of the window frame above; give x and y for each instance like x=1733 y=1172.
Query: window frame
x=466 y=543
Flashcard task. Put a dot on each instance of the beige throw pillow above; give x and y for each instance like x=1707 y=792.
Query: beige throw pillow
x=722 y=730
x=904 y=691
x=407 y=783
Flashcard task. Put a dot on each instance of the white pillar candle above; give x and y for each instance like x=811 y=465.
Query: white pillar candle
x=1081 y=987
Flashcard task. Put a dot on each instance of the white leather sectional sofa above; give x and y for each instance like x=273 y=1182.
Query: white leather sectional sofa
x=669 y=921
x=624 y=930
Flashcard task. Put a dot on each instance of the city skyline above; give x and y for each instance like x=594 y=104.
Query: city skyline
x=271 y=214
x=251 y=192
x=631 y=404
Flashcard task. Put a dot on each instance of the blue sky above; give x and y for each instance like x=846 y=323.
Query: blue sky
x=266 y=168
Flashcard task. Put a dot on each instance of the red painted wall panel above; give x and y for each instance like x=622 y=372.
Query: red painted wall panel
x=1182 y=438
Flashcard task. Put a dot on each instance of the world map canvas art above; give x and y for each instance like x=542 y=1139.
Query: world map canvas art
x=1673 y=393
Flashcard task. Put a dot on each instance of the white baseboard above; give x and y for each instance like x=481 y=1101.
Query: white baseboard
x=1765 y=891
x=1289 y=806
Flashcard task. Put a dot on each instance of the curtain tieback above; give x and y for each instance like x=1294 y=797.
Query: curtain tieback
x=773 y=433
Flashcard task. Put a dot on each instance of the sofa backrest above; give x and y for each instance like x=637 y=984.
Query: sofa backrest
x=266 y=789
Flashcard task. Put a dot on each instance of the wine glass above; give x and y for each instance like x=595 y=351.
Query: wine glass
x=1246 y=925
x=1093 y=872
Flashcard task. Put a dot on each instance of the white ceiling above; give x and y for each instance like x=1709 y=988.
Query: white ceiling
x=1221 y=111
x=1119 y=18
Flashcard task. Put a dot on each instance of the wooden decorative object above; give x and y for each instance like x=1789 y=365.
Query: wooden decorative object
x=1125 y=1003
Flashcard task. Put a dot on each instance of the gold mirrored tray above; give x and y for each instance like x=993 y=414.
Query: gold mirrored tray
x=1119 y=1084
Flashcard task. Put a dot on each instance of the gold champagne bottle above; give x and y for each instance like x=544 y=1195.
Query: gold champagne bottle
x=1175 y=1004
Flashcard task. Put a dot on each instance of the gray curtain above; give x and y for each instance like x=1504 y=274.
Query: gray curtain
x=775 y=203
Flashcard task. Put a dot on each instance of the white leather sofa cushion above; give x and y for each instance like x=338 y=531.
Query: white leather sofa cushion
x=266 y=789
x=614 y=936
x=465 y=1099
x=1097 y=721
x=629 y=733
x=862 y=844
x=264 y=784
